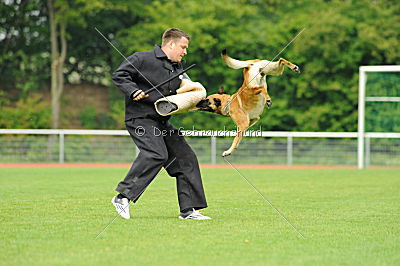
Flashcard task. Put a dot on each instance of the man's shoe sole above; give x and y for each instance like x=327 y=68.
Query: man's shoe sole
x=119 y=211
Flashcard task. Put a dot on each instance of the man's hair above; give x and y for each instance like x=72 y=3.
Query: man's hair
x=173 y=34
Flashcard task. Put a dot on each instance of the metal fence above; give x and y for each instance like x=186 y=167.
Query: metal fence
x=270 y=148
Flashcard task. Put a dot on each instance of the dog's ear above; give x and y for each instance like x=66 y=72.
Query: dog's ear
x=221 y=90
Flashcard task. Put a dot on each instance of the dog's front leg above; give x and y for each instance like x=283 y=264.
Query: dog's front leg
x=242 y=121
x=268 y=100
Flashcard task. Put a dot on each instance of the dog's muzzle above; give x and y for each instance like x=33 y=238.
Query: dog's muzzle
x=204 y=105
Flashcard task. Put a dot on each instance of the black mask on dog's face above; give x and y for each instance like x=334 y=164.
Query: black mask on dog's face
x=205 y=105
x=211 y=104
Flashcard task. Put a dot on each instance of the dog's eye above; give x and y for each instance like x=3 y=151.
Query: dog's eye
x=217 y=102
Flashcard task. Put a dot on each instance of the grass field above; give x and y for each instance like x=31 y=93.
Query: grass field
x=51 y=216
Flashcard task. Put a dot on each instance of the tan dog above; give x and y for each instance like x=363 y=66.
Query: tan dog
x=247 y=104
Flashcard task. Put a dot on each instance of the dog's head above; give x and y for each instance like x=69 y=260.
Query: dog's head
x=214 y=103
x=210 y=104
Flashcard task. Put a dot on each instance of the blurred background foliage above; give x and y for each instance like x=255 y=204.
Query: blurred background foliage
x=339 y=37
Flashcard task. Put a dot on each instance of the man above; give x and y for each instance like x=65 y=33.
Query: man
x=134 y=77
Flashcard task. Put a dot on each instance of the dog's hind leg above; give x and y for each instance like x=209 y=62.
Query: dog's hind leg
x=289 y=65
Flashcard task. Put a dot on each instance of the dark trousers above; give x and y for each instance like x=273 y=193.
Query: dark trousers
x=161 y=145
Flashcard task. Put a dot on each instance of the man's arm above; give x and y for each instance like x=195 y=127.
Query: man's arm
x=125 y=75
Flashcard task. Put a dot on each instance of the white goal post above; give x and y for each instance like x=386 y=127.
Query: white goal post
x=361 y=107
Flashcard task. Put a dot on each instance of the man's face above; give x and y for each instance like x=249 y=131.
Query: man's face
x=178 y=49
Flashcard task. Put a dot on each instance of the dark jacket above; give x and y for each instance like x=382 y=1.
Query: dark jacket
x=156 y=67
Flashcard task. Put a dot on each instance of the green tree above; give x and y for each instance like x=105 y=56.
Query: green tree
x=29 y=112
x=339 y=37
x=24 y=56
x=61 y=14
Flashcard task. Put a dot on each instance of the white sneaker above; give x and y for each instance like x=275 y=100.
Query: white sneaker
x=195 y=215
x=121 y=206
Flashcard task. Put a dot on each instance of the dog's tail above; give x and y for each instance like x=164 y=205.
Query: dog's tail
x=233 y=63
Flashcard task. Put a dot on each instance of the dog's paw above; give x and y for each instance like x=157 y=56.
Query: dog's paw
x=269 y=103
x=296 y=69
x=226 y=153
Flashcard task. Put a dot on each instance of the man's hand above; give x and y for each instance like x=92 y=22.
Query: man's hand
x=138 y=95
